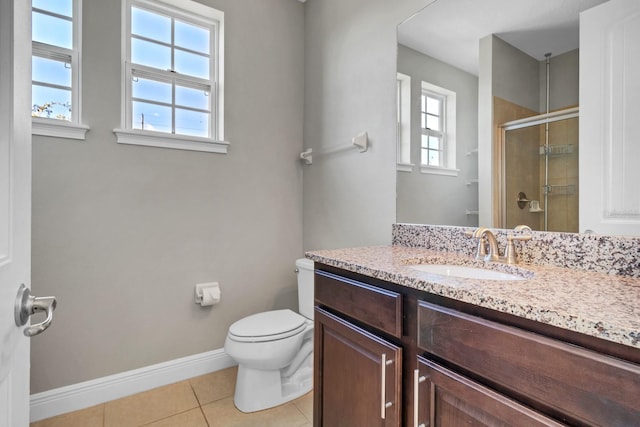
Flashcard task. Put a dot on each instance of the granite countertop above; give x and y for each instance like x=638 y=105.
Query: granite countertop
x=602 y=305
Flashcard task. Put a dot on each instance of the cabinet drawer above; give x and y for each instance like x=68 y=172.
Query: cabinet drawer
x=589 y=388
x=376 y=307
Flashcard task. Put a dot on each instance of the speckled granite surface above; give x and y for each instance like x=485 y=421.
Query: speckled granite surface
x=589 y=252
x=589 y=300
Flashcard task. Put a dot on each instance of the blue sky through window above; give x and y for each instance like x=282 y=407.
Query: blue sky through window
x=191 y=122
x=163 y=102
x=153 y=117
x=61 y=7
x=192 y=37
x=151 y=90
x=150 y=54
x=194 y=98
x=52 y=30
x=150 y=25
x=51 y=71
x=51 y=67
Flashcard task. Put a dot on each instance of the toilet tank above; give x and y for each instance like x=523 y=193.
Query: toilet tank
x=304 y=268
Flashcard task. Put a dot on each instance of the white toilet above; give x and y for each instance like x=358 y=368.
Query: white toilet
x=274 y=350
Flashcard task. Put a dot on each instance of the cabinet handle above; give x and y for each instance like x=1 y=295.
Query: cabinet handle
x=383 y=387
x=417 y=379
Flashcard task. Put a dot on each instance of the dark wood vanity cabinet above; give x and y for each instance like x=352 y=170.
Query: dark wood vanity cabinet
x=455 y=364
x=358 y=373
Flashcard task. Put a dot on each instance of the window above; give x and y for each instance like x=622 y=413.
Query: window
x=433 y=135
x=172 y=72
x=403 y=124
x=56 y=68
x=438 y=143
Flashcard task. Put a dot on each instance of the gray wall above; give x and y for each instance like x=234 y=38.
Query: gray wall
x=121 y=234
x=515 y=75
x=521 y=79
x=435 y=199
x=564 y=81
x=350 y=69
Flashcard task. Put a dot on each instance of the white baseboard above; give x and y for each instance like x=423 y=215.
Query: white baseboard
x=89 y=393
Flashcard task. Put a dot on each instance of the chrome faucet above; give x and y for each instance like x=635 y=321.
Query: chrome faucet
x=483 y=233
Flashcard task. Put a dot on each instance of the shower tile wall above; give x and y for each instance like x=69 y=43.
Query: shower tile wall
x=563 y=171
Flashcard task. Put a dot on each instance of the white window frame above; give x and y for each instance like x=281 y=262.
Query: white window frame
x=448 y=134
x=441 y=134
x=403 y=123
x=190 y=11
x=73 y=129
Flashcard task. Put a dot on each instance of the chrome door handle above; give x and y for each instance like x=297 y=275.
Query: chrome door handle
x=27 y=304
x=417 y=379
x=383 y=389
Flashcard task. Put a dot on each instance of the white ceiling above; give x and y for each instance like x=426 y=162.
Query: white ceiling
x=450 y=30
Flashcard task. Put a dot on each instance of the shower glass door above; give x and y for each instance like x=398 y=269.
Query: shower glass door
x=540 y=174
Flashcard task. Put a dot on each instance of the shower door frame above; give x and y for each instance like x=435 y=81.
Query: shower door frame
x=500 y=211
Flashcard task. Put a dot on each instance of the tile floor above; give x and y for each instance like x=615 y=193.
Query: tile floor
x=205 y=401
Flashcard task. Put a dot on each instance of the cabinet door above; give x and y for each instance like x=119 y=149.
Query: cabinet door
x=357 y=375
x=447 y=399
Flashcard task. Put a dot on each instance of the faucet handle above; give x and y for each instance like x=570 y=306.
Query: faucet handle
x=481 y=252
x=510 y=256
x=521 y=237
x=510 y=253
x=480 y=234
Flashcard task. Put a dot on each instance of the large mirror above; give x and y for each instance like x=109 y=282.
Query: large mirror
x=524 y=54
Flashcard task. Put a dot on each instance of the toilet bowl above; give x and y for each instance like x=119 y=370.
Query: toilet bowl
x=274 y=350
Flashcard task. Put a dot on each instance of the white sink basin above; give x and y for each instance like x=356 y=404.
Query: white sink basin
x=465 y=272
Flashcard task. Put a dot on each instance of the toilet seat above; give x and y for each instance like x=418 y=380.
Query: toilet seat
x=267 y=326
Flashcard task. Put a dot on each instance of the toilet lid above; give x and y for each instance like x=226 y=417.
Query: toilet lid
x=269 y=325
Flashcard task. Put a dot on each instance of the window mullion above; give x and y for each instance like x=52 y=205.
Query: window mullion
x=173 y=44
x=51 y=52
x=173 y=106
x=173 y=80
x=151 y=101
x=147 y=39
x=151 y=74
x=52 y=14
x=52 y=85
x=194 y=52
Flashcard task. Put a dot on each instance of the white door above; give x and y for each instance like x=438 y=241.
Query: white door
x=15 y=205
x=609 y=112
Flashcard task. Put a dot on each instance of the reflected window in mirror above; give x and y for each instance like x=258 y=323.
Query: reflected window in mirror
x=438 y=142
x=403 y=123
x=433 y=134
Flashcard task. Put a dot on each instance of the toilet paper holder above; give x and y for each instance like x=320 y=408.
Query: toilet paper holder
x=207 y=294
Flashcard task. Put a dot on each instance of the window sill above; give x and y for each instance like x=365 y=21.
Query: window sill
x=57 y=128
x=439 y=171
x=164 y=140
x=404 y=167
